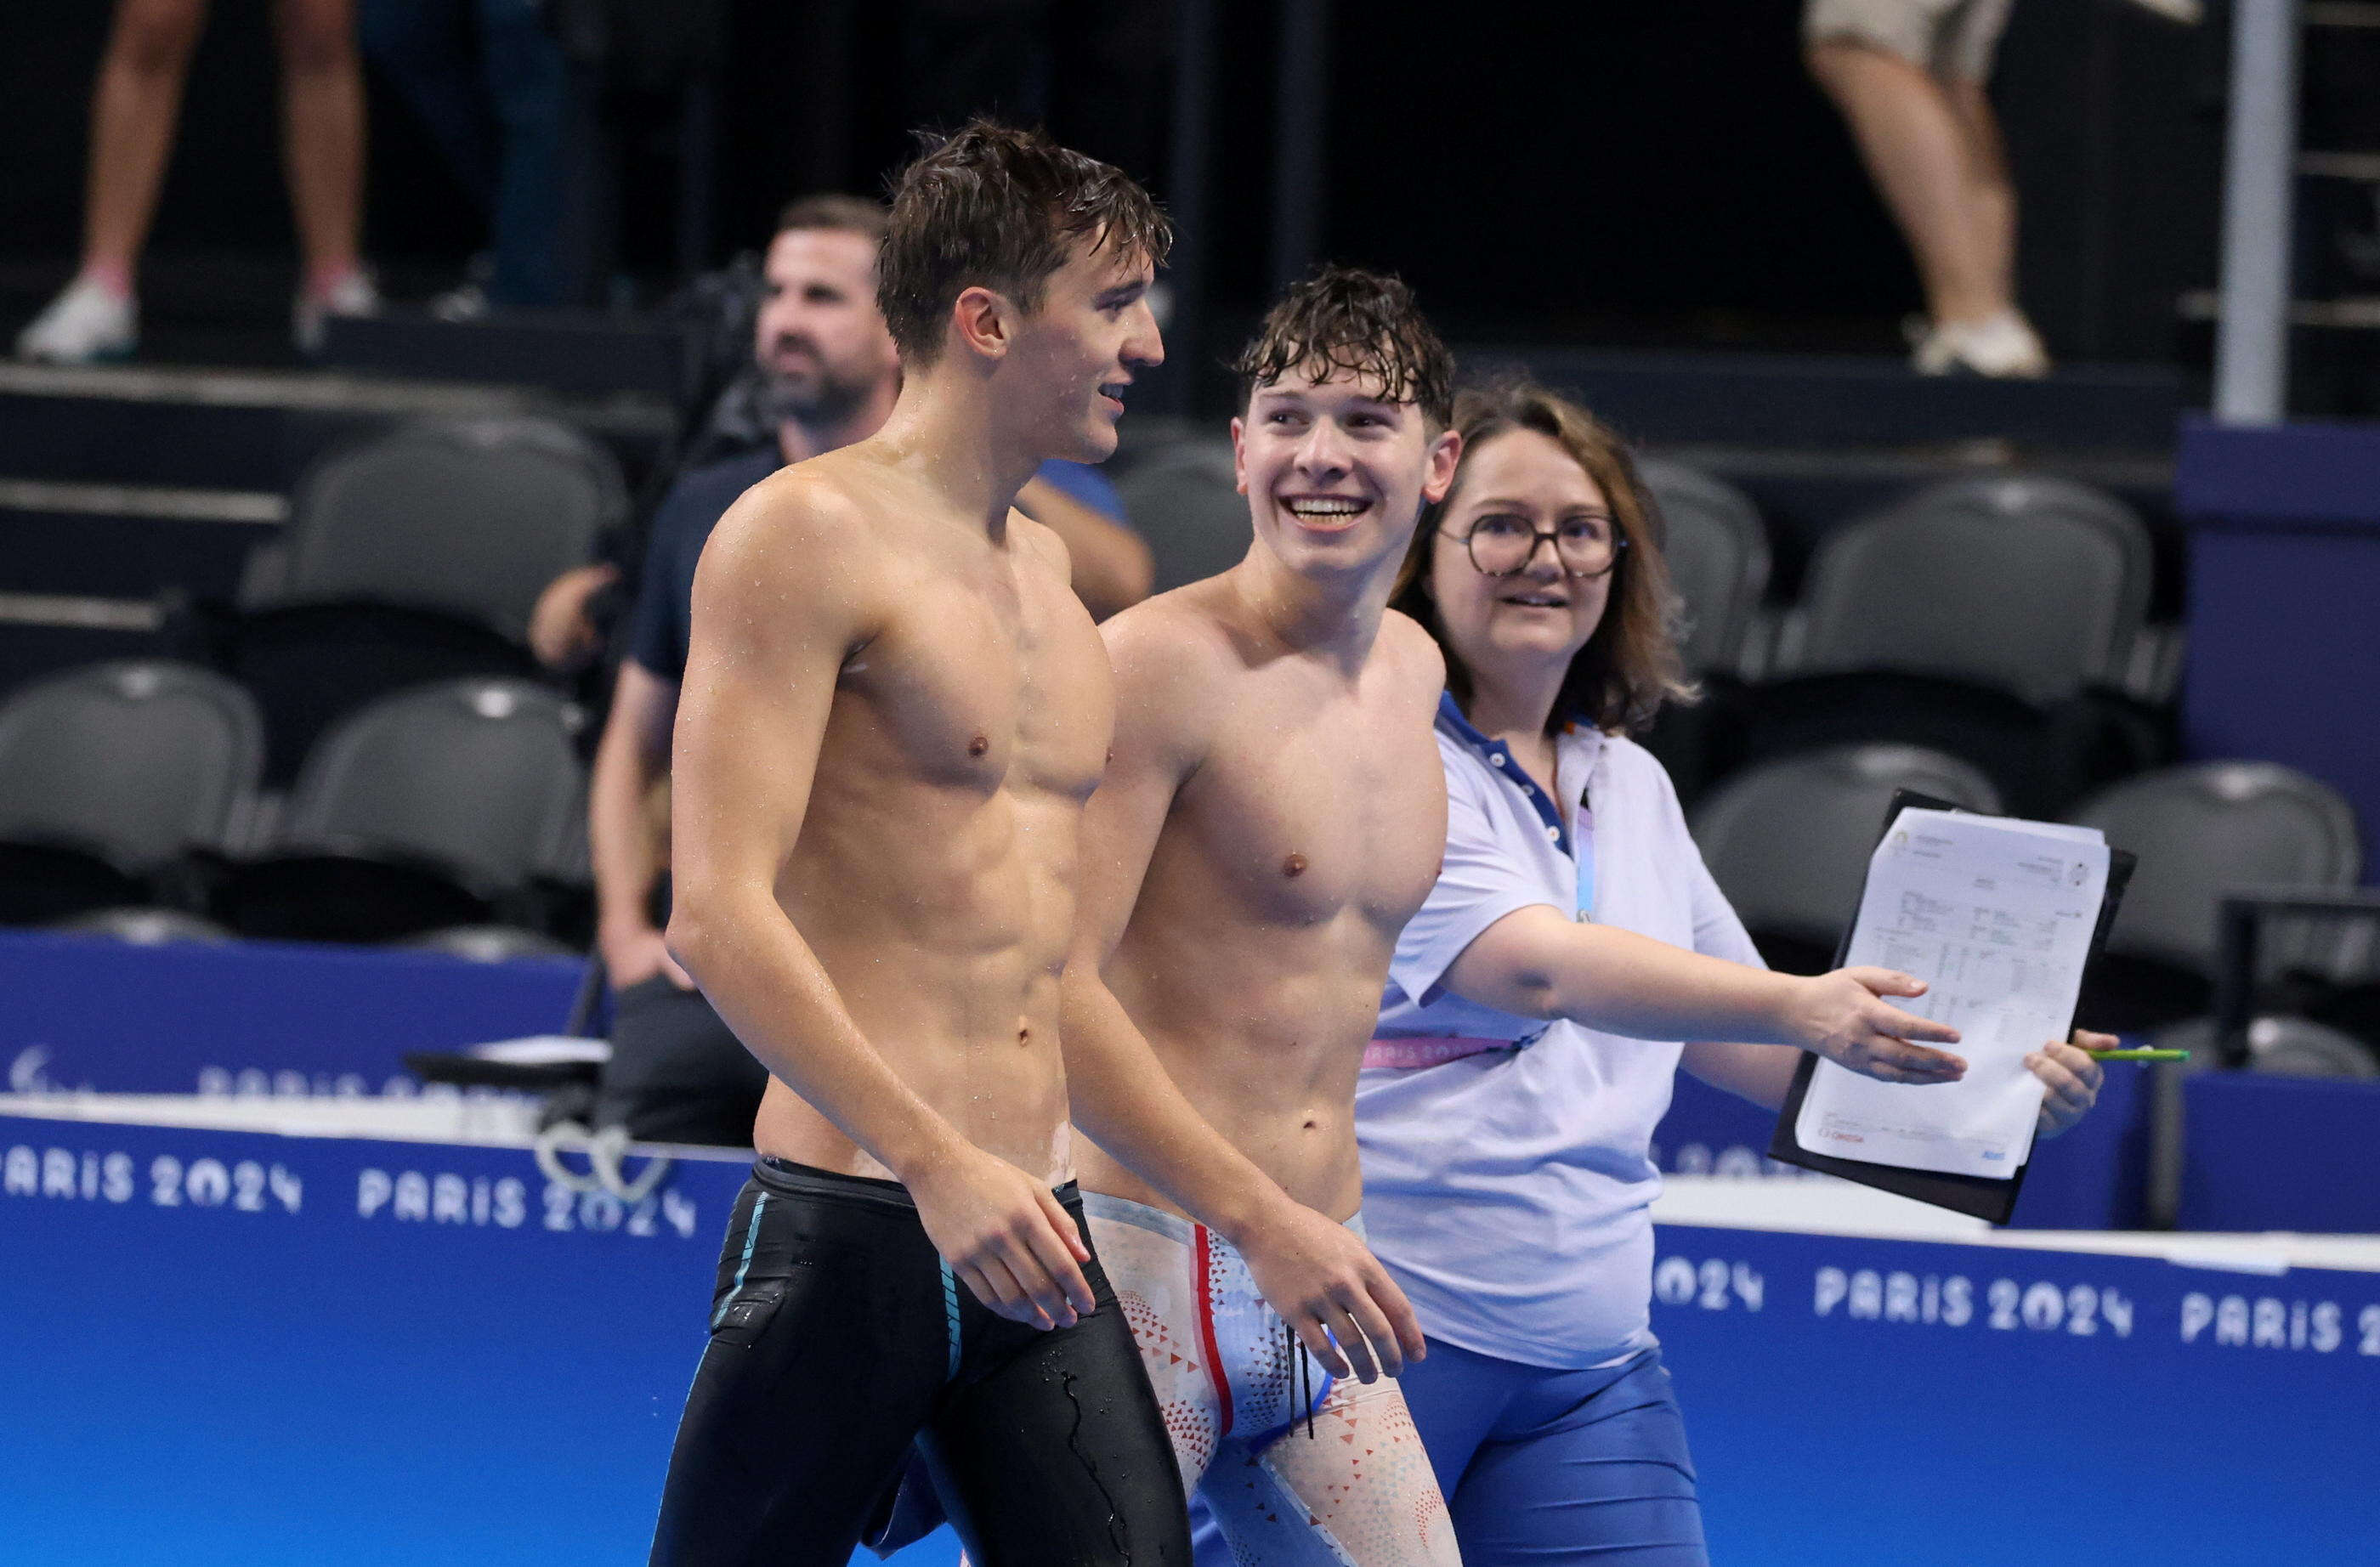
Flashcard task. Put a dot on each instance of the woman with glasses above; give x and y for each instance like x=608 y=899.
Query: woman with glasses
x=1506 y=1109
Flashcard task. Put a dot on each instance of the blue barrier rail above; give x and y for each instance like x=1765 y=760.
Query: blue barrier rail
x=250 y=1349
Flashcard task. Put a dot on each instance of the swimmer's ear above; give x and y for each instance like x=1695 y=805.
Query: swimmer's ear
x=1445 y=456
x=984 y=320
x=1239 y=456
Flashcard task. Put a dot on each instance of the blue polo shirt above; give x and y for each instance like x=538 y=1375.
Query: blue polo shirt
x=1509 y=1191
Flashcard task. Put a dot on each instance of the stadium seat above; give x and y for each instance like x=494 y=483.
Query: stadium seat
x=469 y=517
x=453 y=805
x=1788 y=841
x=491 y=944
x=411 y=558
x=2034 y=587
x=1184 y=503
x=2200 y=830
x=109 y=775
x=147 y=927
x=1719 y=558
x=2283 y=1044
x=1996 y=619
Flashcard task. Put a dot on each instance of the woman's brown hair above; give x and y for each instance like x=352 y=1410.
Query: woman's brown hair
x=1630 y=667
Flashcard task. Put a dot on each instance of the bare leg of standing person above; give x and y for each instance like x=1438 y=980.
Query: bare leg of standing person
x=322 y=149
x=1916 y=150
x=1991 y=194
x=133 y=106
x=1933 y=147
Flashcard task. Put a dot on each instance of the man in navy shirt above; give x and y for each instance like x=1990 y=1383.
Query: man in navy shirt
x=830 y=377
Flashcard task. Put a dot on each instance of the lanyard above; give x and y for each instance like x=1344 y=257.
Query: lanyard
x=1582 y=849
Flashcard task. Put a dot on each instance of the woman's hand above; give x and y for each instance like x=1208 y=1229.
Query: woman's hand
x=2072 y=1077
x=1843 y=1017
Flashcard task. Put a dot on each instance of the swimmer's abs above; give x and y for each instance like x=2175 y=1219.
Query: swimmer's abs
x=1310 y=1154
x=1015 y=1109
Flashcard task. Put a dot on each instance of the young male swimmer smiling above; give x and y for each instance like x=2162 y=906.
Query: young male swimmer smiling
x=1271 y=814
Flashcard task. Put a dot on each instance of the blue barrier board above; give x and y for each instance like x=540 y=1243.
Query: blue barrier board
x=1908 y=1403
x=255 y=1019
x=236 y=1348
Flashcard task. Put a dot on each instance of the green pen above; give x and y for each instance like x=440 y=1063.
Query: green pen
x=2138 y=1055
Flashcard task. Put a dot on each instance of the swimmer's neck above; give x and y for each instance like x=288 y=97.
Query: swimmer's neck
x=948 y=430
x=1334 y=616
x=799 y=441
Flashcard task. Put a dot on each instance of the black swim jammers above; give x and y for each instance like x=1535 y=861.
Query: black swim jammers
x=838 y=1339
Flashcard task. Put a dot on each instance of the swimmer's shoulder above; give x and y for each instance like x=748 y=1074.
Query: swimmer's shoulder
x=1412 y=651
x=810 y=505
x=1409 y=656
x=1172 y=660
x=767 y=552
x=1176 y=638
x=1043 y=545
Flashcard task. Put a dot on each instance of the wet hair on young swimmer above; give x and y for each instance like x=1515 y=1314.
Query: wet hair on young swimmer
x=833 y=213
x=1344 y=319
x=994 y=207
x=1631 y=666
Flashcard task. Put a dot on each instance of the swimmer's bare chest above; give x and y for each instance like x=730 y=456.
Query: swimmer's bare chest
x=1312 y=829
x=1310 y=832
x=934 y=873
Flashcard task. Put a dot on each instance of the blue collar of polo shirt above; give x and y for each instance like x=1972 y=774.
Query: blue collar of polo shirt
x=1500 y=760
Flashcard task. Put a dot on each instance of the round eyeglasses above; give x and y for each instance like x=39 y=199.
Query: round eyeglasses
x=1503 y=546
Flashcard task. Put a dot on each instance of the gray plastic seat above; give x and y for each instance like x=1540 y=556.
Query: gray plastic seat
x=2036 y=587
x=1184 y=503
x=477 y=777
x=2283 y=1045
x=1718 y=557
x=147 y=928
x=2209 y=827
x=467 y=517
x=490 y=943
x=1788 y=841
x=135 y=763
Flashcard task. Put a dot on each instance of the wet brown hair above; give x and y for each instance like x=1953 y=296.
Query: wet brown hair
x=1629 y=667
x=1362 y=323
x=993 y=207
x=835 y=213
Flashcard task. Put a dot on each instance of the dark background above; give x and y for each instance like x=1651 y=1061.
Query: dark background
x=1622 y=173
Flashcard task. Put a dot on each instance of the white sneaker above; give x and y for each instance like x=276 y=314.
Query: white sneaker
x=88 y=322
x=2000 y=346
x=354 y=295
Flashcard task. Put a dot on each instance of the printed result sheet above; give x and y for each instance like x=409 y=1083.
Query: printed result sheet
x=1996 y=916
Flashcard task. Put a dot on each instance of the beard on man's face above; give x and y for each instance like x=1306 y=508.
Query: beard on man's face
x=810 y=390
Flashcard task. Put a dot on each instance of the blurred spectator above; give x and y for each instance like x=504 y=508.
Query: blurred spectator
x=487 y=79
x=1909 y=77
x=829 y=376
x=134 y=110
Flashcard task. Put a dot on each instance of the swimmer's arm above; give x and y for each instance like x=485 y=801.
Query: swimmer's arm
x=771 y=631
x=1313 y=1271
x=1536 y=963
x=1110 y=569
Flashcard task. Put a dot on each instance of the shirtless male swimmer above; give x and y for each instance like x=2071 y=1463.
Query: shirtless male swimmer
x=1273 y=811
x=893 y=710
